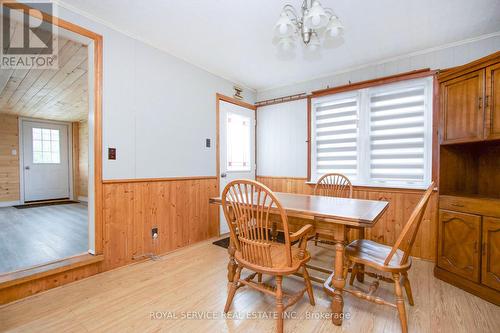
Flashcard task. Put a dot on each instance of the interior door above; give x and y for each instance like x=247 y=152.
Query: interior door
x=237 y=147
x=45 y=161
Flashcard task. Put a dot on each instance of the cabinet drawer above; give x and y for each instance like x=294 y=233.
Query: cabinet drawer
x=459 y=243
x=479 y=206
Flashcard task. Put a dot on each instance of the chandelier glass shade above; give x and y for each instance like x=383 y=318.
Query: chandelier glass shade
x=311 y=25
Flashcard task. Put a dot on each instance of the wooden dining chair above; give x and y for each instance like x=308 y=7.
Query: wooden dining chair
x=332 y=185
x=395 y=260
x=248 y=206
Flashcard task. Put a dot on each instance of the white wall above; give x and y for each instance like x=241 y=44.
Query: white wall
x=275 y=160
x=281 y=139
x=157 y=109
x=437 y=58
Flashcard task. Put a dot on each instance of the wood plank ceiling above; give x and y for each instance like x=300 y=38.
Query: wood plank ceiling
x=53 y=94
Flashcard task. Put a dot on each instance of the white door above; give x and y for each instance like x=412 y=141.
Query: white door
x=237 y=147
x=45 y=160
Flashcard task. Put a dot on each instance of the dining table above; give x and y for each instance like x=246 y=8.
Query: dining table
x=331 y=217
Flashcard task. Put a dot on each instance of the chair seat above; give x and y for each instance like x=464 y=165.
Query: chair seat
x=278 y=258
x=370 y=253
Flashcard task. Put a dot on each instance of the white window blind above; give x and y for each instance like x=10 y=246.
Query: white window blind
x=397 y=133
x=337 y=136
x=380 y=136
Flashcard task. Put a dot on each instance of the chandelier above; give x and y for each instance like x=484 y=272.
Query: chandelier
x=313 y=22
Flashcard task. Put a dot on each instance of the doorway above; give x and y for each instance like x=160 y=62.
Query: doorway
x=236 y=145
x=46 y=160
x=50 y=129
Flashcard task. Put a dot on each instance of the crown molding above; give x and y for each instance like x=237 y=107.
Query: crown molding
x=386 y=60
x=89 y=16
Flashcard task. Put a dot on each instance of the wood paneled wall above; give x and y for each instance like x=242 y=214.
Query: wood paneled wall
x=9 y=164
x=401 y=204
x=178 y=208
x=83 y=159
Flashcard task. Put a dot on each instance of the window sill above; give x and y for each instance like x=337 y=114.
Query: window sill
x=383 y=186
x=37 y=272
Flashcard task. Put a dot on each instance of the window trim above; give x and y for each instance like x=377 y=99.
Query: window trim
x=432 y=139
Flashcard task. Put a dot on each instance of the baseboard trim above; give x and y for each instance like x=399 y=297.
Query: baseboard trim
x=9 y=203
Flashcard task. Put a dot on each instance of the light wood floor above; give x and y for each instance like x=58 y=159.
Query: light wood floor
x=194 y=280
x=38 y=235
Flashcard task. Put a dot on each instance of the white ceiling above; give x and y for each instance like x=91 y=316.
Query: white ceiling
x=233 y=38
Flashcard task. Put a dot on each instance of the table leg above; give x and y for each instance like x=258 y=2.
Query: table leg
x=231 y=266
x=338 y=283
x=360 y=276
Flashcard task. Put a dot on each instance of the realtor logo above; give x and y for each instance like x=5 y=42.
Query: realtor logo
x=28 y=41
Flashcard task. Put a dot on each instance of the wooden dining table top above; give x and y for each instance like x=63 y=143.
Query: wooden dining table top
x=354 y=212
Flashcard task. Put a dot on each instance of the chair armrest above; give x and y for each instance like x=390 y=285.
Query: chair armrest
x=301 y=233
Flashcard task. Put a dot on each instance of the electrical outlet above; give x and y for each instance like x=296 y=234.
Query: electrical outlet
x=111 y=153
x=154 y=233
x=208 y=143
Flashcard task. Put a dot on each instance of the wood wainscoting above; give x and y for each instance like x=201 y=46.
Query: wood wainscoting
x=9 y=163
x=401 y=204
x=178 y=207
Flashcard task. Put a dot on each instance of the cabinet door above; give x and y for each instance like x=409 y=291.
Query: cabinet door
x=462 y=108
x=490 y=264
x=492 y=102
x=459 y=242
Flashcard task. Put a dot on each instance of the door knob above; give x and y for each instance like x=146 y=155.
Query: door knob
x=27 y=167
x=223 y=175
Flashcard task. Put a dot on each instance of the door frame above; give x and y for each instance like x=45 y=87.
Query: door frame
x=96 y=110
x=21 y=154
x=218 y=99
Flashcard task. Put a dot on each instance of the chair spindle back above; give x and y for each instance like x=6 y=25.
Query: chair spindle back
x=407 y=236
x=247 y=206
x=334 y=185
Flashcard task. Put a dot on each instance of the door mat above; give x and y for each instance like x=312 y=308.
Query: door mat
x=42 y=204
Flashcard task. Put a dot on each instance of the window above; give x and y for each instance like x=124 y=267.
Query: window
x=238 y=142
x=379 y=136
x=46 y=146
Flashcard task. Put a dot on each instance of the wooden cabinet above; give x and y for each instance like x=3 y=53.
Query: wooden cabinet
x=470 y=101
x=459 y=241
x=468 y=239
x=492 y=102
x=462 y=108
x=490 y=268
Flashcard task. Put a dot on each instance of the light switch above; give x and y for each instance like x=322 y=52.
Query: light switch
x=13 y=152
